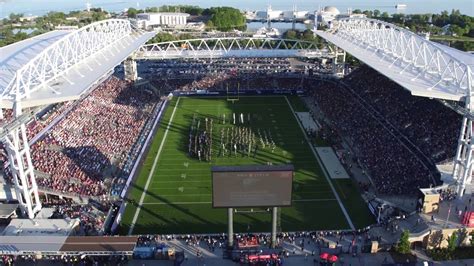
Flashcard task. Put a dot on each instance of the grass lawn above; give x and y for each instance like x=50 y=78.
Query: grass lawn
x=178 y=195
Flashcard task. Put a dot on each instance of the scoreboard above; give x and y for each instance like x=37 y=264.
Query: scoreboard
x=252 y=186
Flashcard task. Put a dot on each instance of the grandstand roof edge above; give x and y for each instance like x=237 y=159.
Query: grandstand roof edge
x=16 y=55
x=78 y=79
x=417 y=86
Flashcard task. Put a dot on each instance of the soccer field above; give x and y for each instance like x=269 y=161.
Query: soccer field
x=174 y=189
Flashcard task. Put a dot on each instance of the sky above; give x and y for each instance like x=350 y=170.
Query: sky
x=40 y=7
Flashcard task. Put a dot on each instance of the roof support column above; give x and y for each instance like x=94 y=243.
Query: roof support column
x=130 y=69
x=463 y=162
x=22 y=169
x=339 y=62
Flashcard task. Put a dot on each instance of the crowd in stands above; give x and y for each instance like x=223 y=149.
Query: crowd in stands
x=256 y=247
x=392 y=166
x=393 y=169
x=232 y=83
x=433 y=127
x=44 y=118
x=86 y=151
x=39 y=121
x=7 y=115
x=247 y=66
x=91 y=216
x=91 y=220
x=447 y=194
x=262 y=239
x=10 y=260
x=219 y=65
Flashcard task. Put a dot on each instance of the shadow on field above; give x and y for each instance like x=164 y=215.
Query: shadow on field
x=171 y=204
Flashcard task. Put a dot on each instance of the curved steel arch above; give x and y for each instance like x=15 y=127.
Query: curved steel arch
x=411 y=52
x=229 y=46
x=63 y=54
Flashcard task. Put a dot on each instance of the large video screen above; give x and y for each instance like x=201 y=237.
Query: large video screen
x=252 y=186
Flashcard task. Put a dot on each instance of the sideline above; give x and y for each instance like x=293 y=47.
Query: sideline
x=142 y=198
x=348 y=218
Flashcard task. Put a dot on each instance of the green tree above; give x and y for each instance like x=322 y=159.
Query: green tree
x=15 y=18
x=192 y=10
x=55 y=18
x=152 y=9
x=162 y=37
x=368 y=13
x=210 y=24
x=226 y=18
x=96 y=16
x=403 y=246
x=452 y=242
x=132 y=12
x=376 y=13
x=290 y=34
x=459 y=31
x=308 y=35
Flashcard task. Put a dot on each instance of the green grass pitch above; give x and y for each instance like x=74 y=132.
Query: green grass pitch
x=178 y=196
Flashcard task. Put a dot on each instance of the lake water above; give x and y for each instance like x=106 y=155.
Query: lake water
x=27 y=30
x=281 y=26
x=40 y=7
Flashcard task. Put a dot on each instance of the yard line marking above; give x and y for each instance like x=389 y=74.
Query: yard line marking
x=311 y=200
x=209 y=202
x=183 y=195
x=142 y=198
x=177 y=203
x=173 y=188
x=174 y=181
x=348 y=218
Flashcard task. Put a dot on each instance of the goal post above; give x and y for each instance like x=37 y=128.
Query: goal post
x=233 y=96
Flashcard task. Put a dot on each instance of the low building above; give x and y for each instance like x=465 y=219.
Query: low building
x=299 y=15
x=329 y=13
x=66 y=27
x=270 y=14
x=28 y=18
x=72 y=19
x=162 y=19
x=41 y=227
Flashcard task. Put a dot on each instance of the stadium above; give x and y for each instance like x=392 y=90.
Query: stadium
x=110 y=145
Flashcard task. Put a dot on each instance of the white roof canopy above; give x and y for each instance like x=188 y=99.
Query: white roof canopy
x=60 y=65
x=423 y=67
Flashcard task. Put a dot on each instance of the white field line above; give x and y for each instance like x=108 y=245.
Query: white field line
x=178 y=203
x=348 y=218
x=210 y=202
x=181 y=181
x=142 y=198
